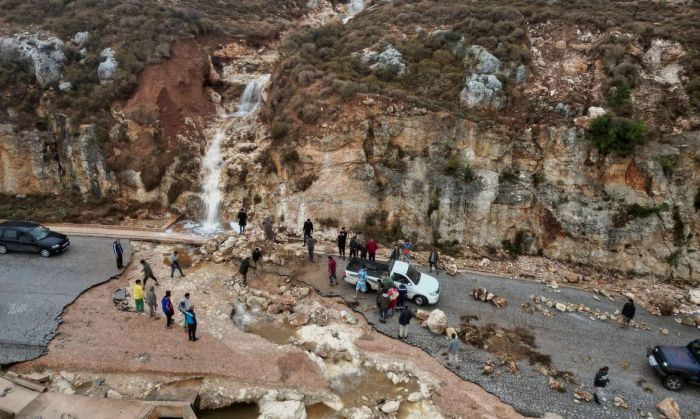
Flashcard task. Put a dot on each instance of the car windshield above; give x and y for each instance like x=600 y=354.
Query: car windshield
x=413 y=274
x=39 y=233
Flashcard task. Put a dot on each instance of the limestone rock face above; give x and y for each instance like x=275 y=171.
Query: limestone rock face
x=483 y=91
x=389 y=59
x=43 y=51
x=108 y=64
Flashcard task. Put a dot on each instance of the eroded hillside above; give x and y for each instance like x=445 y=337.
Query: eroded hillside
x=557 y=128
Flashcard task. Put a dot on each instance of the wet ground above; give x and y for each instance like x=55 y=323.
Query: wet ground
x=574 y=342
x=35 y=290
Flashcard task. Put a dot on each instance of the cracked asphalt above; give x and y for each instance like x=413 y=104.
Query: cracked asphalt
x=574 y=341
x=35 y=290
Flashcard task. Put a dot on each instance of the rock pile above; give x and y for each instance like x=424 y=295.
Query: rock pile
x=482 y=294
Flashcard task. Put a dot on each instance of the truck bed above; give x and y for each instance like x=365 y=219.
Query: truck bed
x=374 y=269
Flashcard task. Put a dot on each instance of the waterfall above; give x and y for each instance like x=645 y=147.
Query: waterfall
x=252 y=96
x=354 y=7
x=249 y=103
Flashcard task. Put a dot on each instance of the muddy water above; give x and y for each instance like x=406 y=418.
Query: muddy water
x=236 y=411
x=369 y=387
x=321 y=411
x=183 y=254
x=276 y=331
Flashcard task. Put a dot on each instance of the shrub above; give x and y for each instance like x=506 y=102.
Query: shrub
x=329 y=222
x=279 y=129
x=290 y=156
x=512 y=248
x=459 y=169
x=631 y=212
x=310 y=113
x=610 y=133
x=618 y=99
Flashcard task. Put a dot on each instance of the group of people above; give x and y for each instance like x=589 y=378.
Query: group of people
x=186 y=309
x=359 y=245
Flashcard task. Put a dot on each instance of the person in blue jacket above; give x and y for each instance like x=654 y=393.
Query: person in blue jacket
x=191 y=320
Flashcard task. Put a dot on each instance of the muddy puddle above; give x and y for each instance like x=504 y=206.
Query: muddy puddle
x=369 y=387
x=277 y=331
x=236 y=411
x=185 y=256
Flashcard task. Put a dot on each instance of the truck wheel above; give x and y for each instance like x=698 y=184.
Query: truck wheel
x=674 y=383
x=420 y=300
x=3 y=249
x=45 y=253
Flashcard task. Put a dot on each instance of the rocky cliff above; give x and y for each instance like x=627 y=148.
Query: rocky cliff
x=569 y=131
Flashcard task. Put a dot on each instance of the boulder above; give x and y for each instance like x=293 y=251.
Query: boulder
x=499 y=302
x=669 y=408
x=620 y=402
x=390 y=59
x=253 y=301
x=488 y=370
x=415 y=396
x=581 y=394
x=561 y=307
x=480 y=293
x=290 y=409
x=437 y=322
x=108 y=65
x=480 y=60
x=298 y=319
x=695 y=296
x=484 y=262
x=44 y=52
x=422 y=315
x=483 y=91
x=556 y=385
x=391 y=406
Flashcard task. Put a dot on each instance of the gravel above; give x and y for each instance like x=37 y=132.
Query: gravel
x=575 y=343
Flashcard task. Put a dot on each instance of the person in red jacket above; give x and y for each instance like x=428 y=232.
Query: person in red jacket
x=372 y=249
x=331 y=270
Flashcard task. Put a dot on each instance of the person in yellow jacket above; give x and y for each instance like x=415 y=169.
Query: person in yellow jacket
x=137 y=292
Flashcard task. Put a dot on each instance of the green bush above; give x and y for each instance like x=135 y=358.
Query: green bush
x=618 y=99
x=279 y=129
x=610 y=133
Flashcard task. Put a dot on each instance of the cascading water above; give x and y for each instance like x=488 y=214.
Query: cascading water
x=354 y=7
x=250 y=103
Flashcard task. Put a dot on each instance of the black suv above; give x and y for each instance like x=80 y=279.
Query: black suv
x=23 y=236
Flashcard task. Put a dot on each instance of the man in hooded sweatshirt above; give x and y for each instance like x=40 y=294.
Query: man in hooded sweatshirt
x=383 y=306
x=599 y=382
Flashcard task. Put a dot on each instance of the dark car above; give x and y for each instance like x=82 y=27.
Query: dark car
x=678 y=365
x=23 y=236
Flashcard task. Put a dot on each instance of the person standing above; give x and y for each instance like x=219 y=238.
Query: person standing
x=405 y=316
x=269 y=232
x=308 y=229
x=395 y=252
x=118 y=253
x=403 y=293
x=175 y=264
x=152 y=301
x=407 y=246
x=393 y=299
x=147 y=272
x=628 y=311
x=191 y=321
x=599 y=382
x=242 y=220
x=342 y=238
x=137 y=292
x=257 y=257
x=353 y=246
x=168 y=309
x=383 y=306
x=182 y=307
x=387 y=282
x=331 y=271
x=433 y=260
x=453 y=350
x=245 y=266
x=311 y=243
x=372 y=247
x=362 y=245
x=361 y=281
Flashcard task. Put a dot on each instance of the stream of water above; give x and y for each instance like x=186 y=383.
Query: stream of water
x=249 y=103
x=354 y=7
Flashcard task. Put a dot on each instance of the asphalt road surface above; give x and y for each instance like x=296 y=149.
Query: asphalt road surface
x=34 y=291
x=574 y=341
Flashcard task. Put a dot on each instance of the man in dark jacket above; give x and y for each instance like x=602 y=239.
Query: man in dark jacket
x=308 y=229
x=242 y=219
x=405 y=317
x=168 y=309
x=147 y=273
x=118 y=253
x=628 y=311
x=257 y=256
x=342 y=238
x=311 y=244
x=599 y=382
x=433 y=260
x=403 y=293
x=245 y=265
x=353 y=247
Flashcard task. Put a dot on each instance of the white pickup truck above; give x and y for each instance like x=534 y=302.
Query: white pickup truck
x=422 y=288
